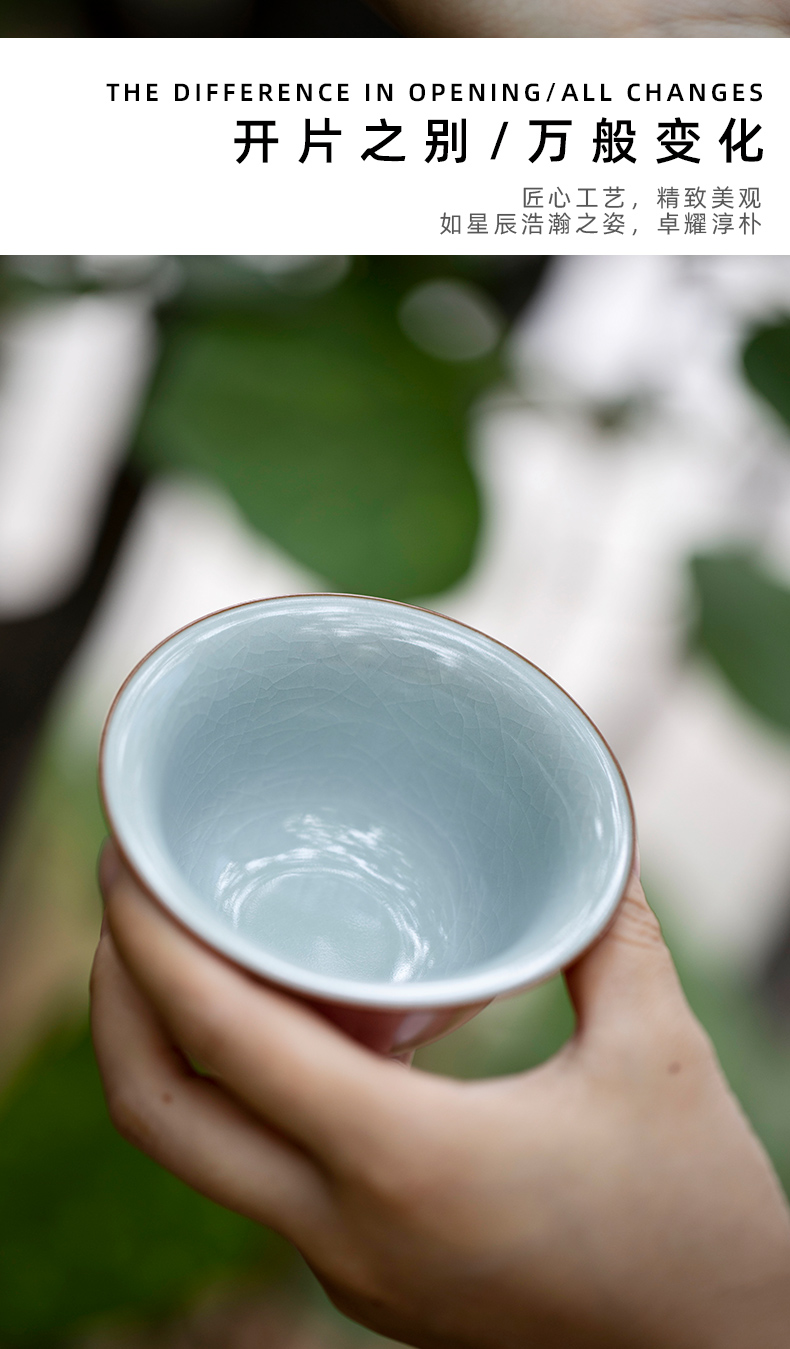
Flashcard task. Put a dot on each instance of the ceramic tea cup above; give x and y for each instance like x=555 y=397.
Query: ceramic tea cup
x=369 y=805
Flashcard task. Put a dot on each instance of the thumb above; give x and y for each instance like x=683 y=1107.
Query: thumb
x=626 y=984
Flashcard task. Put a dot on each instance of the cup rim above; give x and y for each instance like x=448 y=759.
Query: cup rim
x=470 y=989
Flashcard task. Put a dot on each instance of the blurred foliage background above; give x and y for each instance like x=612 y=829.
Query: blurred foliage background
x=332 y=401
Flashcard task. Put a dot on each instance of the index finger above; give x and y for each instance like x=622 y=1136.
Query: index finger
x=294 y=1069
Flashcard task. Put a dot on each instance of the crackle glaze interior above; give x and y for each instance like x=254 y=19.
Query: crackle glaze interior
x=366 y=801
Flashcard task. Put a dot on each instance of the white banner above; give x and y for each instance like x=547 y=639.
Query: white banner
x=419 y=145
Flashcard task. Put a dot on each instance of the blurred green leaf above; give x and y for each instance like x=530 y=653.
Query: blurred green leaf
x=766 y=360
x=217 y=283
x=90 y=1227
x=509 y=1036
x=338 y=438
x=744 y=625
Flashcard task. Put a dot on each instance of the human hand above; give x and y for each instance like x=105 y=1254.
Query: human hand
x=587 y=18
x=613 y=1197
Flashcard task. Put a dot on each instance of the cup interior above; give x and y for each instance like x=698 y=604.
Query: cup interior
x=366 y=802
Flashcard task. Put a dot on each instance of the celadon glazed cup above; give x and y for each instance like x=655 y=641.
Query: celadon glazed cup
x=368 y=805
